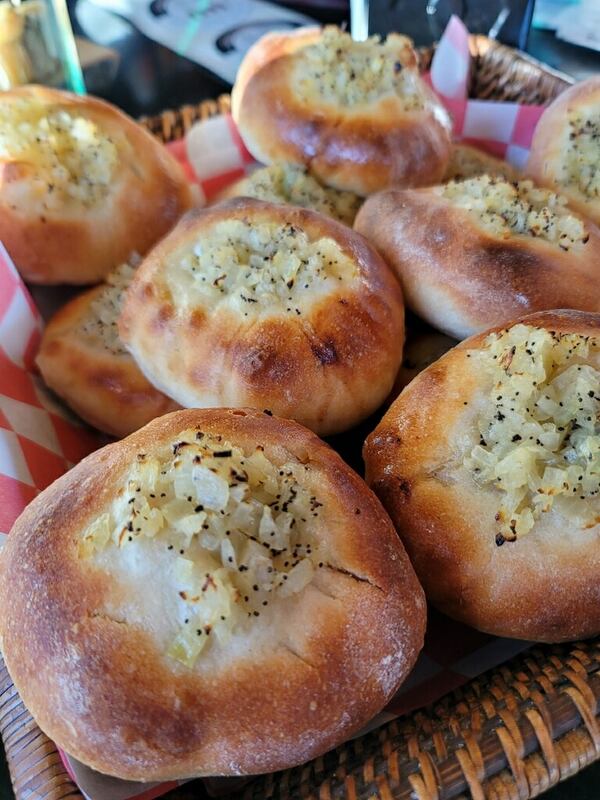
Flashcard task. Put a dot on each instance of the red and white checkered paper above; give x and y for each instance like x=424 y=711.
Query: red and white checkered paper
x=39 y=441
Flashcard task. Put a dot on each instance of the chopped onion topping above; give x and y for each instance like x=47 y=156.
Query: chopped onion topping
x=581 y=162
x=340 y=71
x=74 y=160
x=539 y=438
x=290 y=183
x=259 y=267
x=237 y=530
x=507 y=209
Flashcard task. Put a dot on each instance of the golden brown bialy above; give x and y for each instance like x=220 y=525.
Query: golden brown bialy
x=217 y=594
x=480 y=252
x=488 y=464
x=565 y=150
x=82 y=186
x=82 y=359
x=357 y=114
x=282 y=182
x=249 y=303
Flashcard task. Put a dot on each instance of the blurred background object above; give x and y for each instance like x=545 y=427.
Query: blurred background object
x=164 y=53
x=37 y=46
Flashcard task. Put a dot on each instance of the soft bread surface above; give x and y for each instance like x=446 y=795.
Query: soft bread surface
x=82 y=359
x=565 y=150
x=488 y=466
x=357 y=114
x=254 y=304
x=216 y=594
x=269 y=47
x=483 y=251
x=468 y=162
x=82 y=186
x=290 y=183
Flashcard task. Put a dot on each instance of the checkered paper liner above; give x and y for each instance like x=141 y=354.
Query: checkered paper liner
x=39 y=441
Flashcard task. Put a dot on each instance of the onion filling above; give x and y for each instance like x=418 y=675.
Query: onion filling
x=239 y=529
x=506 y=209
x=539 y=437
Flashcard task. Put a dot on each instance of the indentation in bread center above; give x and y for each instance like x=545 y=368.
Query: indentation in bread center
x=581 y=164
x=101 y=323
x=259 y=266
x=507 y=209
x=233 y=531
x=289 y=183
x=71 y=158
x=539 y=437
x=339 y=71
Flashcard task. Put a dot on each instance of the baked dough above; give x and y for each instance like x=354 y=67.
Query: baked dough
x=469 y=162
x=250 y=303
x=82 y=186
x=565 y=150
x=289 y=183
x=488 y=465
x=82 y=359
x=217 y=594
x=357 y=114
x=482 y=251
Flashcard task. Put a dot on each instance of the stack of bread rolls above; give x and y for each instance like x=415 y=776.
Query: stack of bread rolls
x=224 y=540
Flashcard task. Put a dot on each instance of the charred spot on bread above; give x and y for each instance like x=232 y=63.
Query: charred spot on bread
x=506 y=209
x=539 y=435
x=233 y=530
x=69 y=158
x=283 y=182
x=337 y=70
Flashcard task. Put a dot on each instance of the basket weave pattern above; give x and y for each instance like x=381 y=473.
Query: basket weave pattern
x=507 y=735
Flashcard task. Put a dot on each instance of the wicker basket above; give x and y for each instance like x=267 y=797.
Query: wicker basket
x=509 y=734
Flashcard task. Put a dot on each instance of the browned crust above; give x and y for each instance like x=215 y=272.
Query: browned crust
x=106 y=390
x=359 y=151
x=462 y=279
x=545 y=586
x=328 y=369
x=101 y=690
x=270 y=46
x=148 y=194
x=546 y=152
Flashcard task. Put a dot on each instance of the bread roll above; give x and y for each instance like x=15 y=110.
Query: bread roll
x=483 y=251
x=82 y=186
x=290 y=183
x=565 y=151
x=469 y=162
x=217 y=594
x=357 y=114
x=82 y=359
x=488 y=464
x=253 y=304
